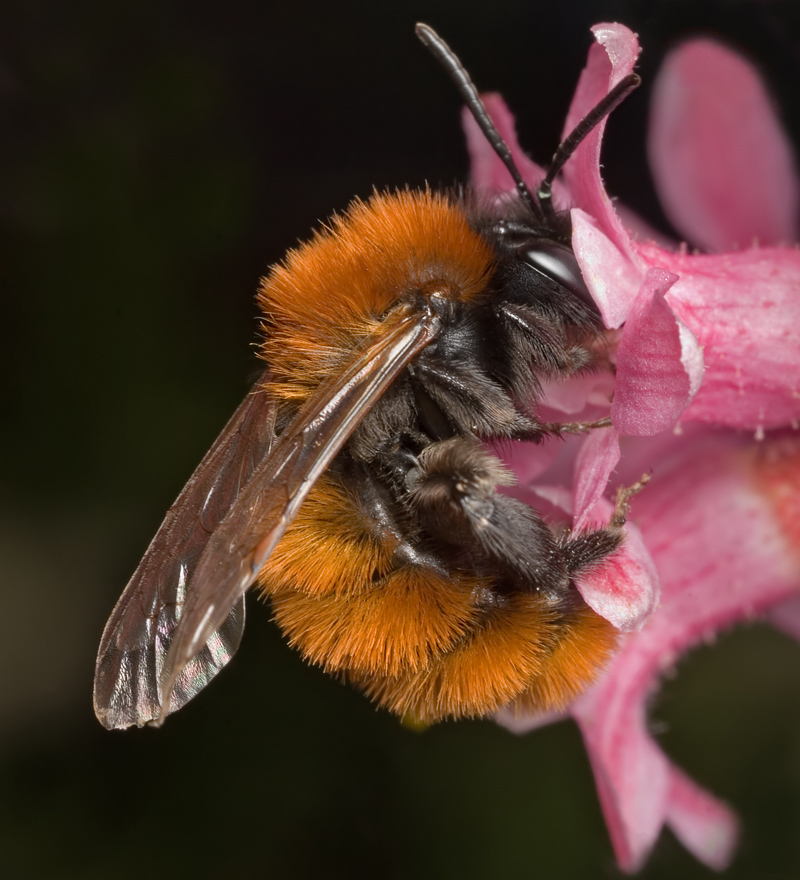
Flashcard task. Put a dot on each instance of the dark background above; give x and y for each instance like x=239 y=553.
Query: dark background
x=156 y=158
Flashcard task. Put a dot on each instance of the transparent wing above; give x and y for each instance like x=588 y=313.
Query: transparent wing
x=139 y=632
x=260 y=515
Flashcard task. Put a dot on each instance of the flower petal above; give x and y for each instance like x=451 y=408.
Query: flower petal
x=721 y=162
x=744 y=309
x=610 y=59
x=574 y=395
x=521 y=723
x=611 y=276
x=704 y=825
x=526 y=460
x=786 y=617
x=598 y=457
x=659 y=363
x=624 y=589
x=640 y=790
x=722 y=535
x=640 y=230
x=713 y=501
x=631 y=773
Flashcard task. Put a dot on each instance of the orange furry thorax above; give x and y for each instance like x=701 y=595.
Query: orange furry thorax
x=332 y=291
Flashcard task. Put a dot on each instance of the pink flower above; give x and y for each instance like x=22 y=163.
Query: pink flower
x=708 y=345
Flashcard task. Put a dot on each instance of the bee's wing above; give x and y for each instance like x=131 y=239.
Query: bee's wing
x=240 y=547
x=139 y=632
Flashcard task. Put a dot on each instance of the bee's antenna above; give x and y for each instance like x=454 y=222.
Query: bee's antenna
x=466 y=88
x=542 y=205
x=570 y=143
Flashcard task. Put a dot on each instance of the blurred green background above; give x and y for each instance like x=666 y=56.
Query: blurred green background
x=155 y=159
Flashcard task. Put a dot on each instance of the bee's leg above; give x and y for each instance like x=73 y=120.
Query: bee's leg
x=542 y=431
x=585 y=550
x=576 y=427
x=556 y=429
x=453 y=492
x=384 y=519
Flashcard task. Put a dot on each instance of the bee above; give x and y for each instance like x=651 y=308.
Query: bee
x=354 y=485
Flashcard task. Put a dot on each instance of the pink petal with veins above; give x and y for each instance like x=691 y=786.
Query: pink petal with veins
x=703 y=824
x=717 y=536
x=640 y=791
x=576 y=394
x=527 y=460
x=659 y=363
x=611 y=58
x=557 y=497
x=612 y=278
x=723 y=168
x=721 y=517
x=598 y=457
x=744 y=309
x=631 y=773
x=624 y=589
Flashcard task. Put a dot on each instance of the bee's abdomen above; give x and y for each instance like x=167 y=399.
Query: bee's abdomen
x=350 y=600
x=420 y=636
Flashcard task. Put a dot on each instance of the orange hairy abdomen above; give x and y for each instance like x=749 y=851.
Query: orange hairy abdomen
x=418 y=642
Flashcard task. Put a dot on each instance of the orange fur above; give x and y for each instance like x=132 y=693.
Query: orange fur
x=331 y=291
x=586 y=643
x=522 y=652
x=338 y=600
x=329 y=548
x=397 y=628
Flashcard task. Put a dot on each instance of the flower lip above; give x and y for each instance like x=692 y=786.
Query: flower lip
x=659 y=362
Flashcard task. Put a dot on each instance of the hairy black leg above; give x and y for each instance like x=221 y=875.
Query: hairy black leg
x=388 y=521
x=544 y=430
x=590 y=548
x=453 y=492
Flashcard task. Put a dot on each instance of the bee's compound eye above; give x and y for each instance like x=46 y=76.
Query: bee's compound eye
x=557 y=262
